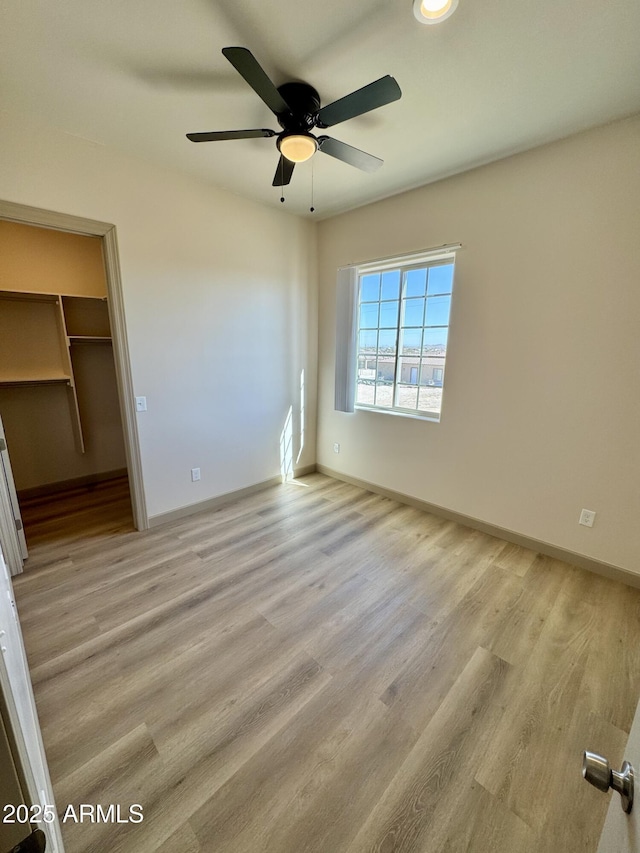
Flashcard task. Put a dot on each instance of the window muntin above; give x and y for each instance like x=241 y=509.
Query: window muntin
x=403 y=326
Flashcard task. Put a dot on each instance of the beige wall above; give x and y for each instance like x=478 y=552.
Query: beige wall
x=541 y=402
x=207 y=276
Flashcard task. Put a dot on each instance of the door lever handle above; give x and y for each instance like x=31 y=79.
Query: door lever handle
x=597 y=771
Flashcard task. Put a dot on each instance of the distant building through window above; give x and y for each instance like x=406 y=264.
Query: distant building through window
x=403 y=328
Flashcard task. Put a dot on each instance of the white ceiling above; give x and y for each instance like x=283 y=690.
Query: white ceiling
x=498 y=77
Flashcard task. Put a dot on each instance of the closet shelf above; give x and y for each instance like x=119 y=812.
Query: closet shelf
x=50 y=380
x=38 y=332
x=25 y=296
x=89 y=339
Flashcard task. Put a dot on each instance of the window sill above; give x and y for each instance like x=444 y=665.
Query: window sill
x=432 y=417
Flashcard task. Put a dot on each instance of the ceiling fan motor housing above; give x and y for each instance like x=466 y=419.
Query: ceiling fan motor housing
x=304 y=102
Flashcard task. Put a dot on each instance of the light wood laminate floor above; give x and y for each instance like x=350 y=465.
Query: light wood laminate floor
x=318 y=668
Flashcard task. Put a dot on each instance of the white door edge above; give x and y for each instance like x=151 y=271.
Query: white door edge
x=15 y=684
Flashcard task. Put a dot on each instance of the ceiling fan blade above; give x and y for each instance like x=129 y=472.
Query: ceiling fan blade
x=283 y=173
x=376 y=94
x=349 y=154
x=218 y=135
x=248 y=66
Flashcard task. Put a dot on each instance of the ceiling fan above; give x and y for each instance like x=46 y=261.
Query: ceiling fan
x=298 y=111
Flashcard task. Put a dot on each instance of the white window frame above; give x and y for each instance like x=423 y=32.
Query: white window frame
x=427 y=259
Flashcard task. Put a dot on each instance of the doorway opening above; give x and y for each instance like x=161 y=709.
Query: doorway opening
x=66 y=396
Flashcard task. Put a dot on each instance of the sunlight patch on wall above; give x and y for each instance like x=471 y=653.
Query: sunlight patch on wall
x=301 y=415
x=286 y=447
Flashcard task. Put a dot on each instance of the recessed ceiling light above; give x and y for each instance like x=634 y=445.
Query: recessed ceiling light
x=433 y=11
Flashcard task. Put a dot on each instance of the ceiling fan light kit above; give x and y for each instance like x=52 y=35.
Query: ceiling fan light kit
x=297 y=147
x=298 y=111
x=433 y=11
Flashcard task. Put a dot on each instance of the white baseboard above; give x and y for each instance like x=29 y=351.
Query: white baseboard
x=557 y=553
x=220 y=500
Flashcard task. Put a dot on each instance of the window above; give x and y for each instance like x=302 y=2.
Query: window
x=402 y=331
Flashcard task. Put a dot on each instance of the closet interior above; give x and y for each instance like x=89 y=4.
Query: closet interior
x=58 y=394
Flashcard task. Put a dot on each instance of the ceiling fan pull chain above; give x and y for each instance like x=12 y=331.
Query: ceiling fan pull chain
x=312 y=208
x=282 y=180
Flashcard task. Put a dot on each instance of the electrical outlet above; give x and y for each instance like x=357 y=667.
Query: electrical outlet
x=141 y=404
x=195 y=475
x=587 y=517
x=336 y=448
